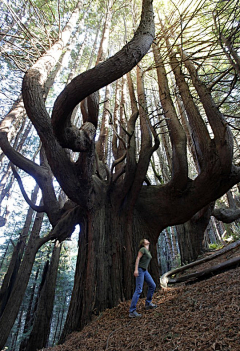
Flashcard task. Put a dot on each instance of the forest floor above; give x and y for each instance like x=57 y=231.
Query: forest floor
x=201 y=316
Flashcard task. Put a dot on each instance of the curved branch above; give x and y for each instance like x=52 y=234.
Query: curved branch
x=114 y=130
x=30 y=203
x=118 y=174
x=39 y=173
x=19 y=160
x=116 y=162
x=156 y=202
x=33 y=96
x=102 y=75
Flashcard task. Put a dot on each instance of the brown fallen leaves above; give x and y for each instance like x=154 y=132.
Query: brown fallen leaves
x=203 y=316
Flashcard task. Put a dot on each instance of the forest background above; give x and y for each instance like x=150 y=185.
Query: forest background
x=181 y=101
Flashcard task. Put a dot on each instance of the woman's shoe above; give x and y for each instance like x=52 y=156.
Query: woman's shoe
x=149 y=306
x=134 y=314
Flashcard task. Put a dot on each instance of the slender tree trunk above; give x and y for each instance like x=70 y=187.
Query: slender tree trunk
x=56 y=326
x=63 y=310
x=169 y=243
x=101 y=144
x=8 y=242
x=103 y=48
x=11 y=274
x=29 y=313
x=42 y=317
x=164 y=253
x=102 y=55
x=60 y=320
x=218 y=231
x=15 y=337
x=15 y=299
x=174 y=247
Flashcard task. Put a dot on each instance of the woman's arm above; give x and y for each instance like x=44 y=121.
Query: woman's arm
x=137 y=263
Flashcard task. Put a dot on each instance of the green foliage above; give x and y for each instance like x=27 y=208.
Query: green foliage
x=233 y=231
x=215 y=246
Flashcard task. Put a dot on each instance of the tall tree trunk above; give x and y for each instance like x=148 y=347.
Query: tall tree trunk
x=63 y=310
x=15 y=299
x=15 y=337
x=11 y=274
x=174 y=247
x=8 y=242
x=102 y=55
x=29 y=313
x=101 y=144
x=103 y=48
x=43 y=315
x=169 y=243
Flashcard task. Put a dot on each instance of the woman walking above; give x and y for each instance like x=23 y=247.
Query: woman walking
x=141 y=273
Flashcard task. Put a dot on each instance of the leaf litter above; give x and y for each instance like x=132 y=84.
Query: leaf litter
x=201 y=316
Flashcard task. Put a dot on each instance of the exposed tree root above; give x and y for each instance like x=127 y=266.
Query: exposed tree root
x=166 y=279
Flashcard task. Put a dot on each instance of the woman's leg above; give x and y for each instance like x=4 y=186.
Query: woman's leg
x=138 y=290
x=151 y=286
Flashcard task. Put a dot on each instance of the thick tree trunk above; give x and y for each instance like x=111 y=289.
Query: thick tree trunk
x=101 y=278
x=191 y=236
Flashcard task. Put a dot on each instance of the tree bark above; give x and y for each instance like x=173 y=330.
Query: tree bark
x=101 y=278
x=11 y=274
x=43 y=315
x=15 y=299
x=177 y=135
x=29 y=312
x=191 y=235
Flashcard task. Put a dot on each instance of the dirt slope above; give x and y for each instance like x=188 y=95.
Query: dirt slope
x=203 y=316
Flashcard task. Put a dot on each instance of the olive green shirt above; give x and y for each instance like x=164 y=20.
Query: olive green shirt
x=145 y=259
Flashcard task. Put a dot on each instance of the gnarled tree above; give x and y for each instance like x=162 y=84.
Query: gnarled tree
x=114 y=208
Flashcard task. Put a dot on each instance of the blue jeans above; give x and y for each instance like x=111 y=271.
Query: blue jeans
x=142 y=275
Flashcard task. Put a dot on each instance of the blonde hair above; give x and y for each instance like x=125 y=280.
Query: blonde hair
x=141 y=244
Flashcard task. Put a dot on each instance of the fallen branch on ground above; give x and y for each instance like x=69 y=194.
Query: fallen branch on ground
x=166 y=279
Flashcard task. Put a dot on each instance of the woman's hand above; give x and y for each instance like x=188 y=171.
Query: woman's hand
x=136 y=273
